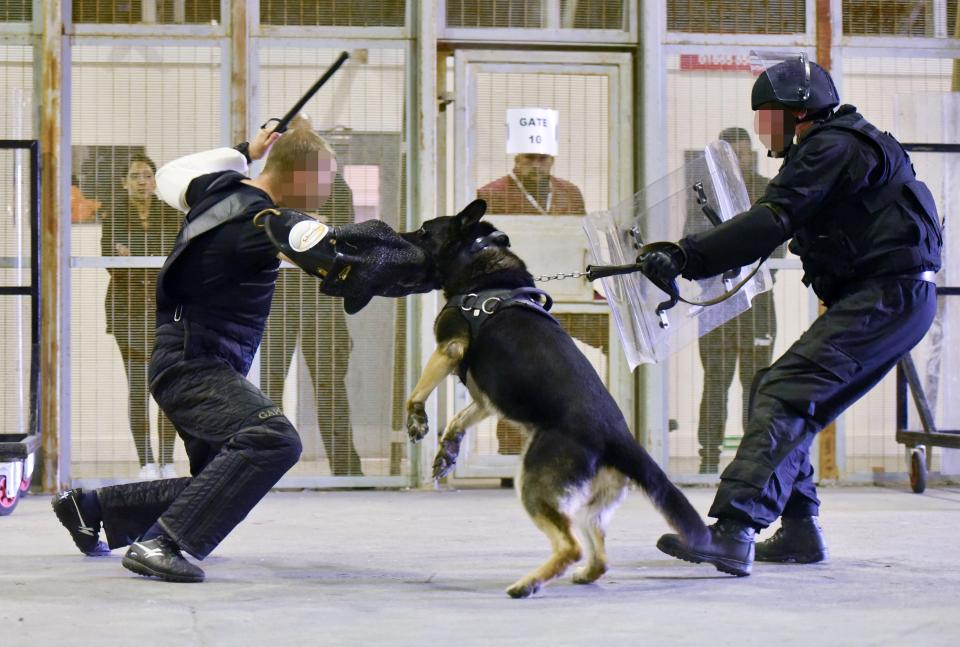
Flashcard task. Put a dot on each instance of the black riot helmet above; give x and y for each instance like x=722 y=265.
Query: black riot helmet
x=798 y=83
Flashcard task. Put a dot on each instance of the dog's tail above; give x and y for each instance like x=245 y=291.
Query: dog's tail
x=633 y=460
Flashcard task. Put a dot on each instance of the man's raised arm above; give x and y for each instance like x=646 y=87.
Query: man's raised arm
x=174 y=177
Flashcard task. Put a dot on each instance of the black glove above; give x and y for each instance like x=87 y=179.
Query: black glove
x=663 y=263
x=381 y=262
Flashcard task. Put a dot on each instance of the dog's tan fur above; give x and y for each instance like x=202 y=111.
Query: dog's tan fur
x=444 y=361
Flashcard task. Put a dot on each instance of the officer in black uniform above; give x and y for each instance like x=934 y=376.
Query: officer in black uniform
x=213 y=297
x=869 y=237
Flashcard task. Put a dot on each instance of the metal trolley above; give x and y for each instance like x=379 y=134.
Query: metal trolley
x=18 y=450
x=908 y=379
x=918 y=441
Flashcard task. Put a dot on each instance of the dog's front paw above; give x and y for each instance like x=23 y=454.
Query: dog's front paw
x=417 y=426
x=446 y=457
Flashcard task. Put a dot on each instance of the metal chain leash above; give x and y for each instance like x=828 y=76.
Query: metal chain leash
x=556 y=277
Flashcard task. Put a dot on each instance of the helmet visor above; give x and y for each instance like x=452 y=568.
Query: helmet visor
x=787 y=72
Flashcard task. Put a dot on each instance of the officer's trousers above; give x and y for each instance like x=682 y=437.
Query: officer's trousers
x=846 y=351
x=238 y=442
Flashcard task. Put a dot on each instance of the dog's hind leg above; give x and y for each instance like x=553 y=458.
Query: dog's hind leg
x=444 y=360
x=609 y=488
x=553 y=485
x=558 y=527
x=449 y=443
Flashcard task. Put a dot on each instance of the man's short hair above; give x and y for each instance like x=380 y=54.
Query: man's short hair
x=294 y=147
x=734 y=135
x=143 y=159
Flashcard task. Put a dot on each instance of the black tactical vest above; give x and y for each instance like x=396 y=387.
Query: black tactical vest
x=888 y=229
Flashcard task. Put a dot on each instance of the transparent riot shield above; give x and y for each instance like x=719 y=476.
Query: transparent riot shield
x=707 y=190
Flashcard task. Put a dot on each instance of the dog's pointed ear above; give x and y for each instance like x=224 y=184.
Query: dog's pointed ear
x=472 y=213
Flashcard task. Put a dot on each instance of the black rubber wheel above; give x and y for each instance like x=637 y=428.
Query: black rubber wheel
x=8 y=499
x=918 y=470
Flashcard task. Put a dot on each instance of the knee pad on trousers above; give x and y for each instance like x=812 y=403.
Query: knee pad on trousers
x=275 y=435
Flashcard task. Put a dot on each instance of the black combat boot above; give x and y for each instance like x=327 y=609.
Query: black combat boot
x=798 y=540
x=83 y=528
x=728 y=546
x=161 y=557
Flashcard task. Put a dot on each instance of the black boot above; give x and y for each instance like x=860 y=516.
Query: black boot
x=728 y=546
x=160 y=557
x=798 y=539
x=84 y=531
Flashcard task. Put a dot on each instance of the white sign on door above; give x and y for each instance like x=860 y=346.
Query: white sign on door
x=532 y=130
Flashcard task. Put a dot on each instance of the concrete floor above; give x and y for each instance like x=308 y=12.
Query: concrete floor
x=425 y=567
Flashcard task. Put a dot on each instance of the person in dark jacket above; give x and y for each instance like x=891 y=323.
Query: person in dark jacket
x=213 y=298
x=301 y=311
x=139 y=224
x=747 y=339
x=869 y=238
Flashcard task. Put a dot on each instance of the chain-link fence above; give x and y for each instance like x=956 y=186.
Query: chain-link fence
x=638 y=87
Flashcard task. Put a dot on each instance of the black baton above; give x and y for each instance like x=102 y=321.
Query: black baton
x=298 y=106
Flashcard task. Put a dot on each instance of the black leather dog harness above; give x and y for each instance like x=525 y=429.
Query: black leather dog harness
x=478 y=307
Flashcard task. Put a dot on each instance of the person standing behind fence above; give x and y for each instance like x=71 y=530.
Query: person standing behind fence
x=748 y=338
x=139 y=224
x=299 y=309
x=530 y=189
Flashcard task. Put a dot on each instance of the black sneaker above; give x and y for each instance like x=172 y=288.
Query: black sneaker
x=85 y=534
x=728 y=546
x=798 y=540
x=161 y=557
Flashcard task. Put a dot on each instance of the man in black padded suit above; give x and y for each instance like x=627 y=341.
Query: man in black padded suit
x=213 y=298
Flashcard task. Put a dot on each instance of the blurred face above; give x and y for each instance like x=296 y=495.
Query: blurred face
x=531 y=167
x=140 y=182
x=307 y=188
x=775 y=128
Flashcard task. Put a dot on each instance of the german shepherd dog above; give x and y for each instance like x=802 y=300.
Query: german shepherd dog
x=521 y=365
